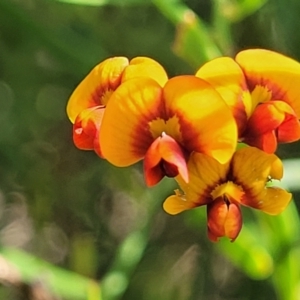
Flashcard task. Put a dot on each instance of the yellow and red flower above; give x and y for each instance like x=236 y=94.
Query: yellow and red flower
x=163 y=125
x=261 y=88
x=225 y=187
x=87 y=103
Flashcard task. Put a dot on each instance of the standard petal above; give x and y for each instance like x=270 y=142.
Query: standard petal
x=280 y=74
x=164 y=158
x=205 y=173
x=206 y=122
x=125 y=136
x=96 y=86
x=145 y=67
x=226 y=76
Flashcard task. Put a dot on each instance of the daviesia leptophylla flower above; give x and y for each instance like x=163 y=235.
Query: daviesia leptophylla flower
x=262 y=89
x=225 y=187
x=163 y=125
x=87 y=103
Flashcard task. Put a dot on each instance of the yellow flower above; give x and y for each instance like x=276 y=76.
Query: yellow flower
x=224 y=187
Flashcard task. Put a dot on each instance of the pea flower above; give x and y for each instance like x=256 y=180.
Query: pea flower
x=163 y=125
x=262 y=89
x=225 y=187
x=87 y=103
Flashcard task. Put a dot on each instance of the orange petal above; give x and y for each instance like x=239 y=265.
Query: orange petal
x=271 y=200
x=86 y=126
x=125 y=136
x=289 y=131
x=251 y=169
x=226 y=76
x=93 y=89
x=266 y=117
x=266 y=141
x=206 y=122
x=164 y=158
x=223 y=219
x=145 y=67
x=280 y=74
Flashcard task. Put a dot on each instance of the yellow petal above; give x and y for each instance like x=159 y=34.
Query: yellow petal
x=206 y=122
x=93 y=89
x=145 y=67
x=176 y=204
x=271 y=200
x=252 y=168
x=226 y=76
x=124 y=135
x=279 y=73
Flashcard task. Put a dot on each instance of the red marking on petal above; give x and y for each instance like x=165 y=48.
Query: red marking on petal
x=223 y=219
x=272 y=122
x=266 y=142
x=233 y=223
x=164 y=157
x=277 y=92
x=97 y=147
x=266 y=117
x=289 y=130
x=82 y=140
x=86 y=128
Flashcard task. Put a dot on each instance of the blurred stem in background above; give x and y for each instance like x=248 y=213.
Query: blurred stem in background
x=193 y=41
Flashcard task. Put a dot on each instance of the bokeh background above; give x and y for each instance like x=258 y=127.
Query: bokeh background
x=74 y=227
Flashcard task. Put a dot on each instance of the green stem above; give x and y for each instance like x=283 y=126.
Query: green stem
x=193 y=40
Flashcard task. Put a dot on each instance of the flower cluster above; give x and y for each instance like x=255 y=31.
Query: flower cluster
x=191 y=127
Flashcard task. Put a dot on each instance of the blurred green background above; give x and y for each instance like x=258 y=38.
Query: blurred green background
x=74 y=227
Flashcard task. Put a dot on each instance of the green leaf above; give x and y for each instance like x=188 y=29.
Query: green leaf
x=60 y=282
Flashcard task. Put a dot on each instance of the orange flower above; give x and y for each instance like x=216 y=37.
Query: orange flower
x=223 y=188
x=261 y=88
x=164 y=125
x=87 y=103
